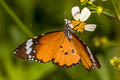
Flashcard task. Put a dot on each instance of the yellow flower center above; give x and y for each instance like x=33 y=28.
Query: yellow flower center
x=82 y=1
x=99 y=9
x=78 y=25
x=115 y=62
x=90 y=2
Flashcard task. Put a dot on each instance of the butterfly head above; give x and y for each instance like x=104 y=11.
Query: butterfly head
x=68 y=29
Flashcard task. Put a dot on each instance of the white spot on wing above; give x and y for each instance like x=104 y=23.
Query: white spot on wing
x=36 y=60
x=29 y=43
x=33 y=56
x=29 y=40
x=29 y=59
x=34 y=51
x=28 y=50
x=29 y=56
x=91 y=56
x=32 y=59
x=36 y=42
x=35 y=37
x=15 y=52
x=42 y=34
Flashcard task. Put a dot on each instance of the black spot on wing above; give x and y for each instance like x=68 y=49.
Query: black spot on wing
x=66 y=53
x=73 y=51
x=61 y=46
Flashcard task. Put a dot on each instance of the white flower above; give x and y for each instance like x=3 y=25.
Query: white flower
x=78 y=24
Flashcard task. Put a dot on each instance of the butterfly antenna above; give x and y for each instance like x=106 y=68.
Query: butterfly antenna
x=65 y=22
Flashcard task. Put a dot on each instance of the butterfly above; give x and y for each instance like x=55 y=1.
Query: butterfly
x=61 y=47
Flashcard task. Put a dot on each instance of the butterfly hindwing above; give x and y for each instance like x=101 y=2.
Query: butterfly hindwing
x=87 y=58
x=66 y=56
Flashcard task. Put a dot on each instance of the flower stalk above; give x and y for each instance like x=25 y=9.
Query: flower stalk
x=97 y=9
x=116 y=8
x=16 y=19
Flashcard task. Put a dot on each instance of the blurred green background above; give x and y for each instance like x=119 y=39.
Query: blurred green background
x=40 y=16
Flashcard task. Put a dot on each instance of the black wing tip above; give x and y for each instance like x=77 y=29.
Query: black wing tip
x=96 y=66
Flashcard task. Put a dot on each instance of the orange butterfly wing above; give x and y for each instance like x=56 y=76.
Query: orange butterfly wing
x=87 y=58
x=48 y=45
x=66 y=56
x=58 y=47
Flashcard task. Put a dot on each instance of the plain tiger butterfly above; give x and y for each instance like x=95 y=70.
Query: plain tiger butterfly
x=61 y=47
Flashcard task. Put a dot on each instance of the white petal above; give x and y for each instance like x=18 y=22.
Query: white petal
x=85 y=13
x=67 y=21
x=90 y=27
x=76 y=12
x=70 y=25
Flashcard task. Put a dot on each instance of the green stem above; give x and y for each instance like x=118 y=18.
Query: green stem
x=114 y=44
x=16 y=19
x=116 y=9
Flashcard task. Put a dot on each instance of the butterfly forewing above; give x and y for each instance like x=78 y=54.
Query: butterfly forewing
x=48 y=46
x=39 y=48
